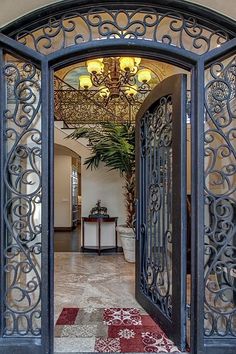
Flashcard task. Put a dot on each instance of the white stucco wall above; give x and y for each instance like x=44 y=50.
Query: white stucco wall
x=62 y=188
x=13 y=9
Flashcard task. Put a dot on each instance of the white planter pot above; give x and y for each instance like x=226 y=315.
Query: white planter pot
x=127 y=237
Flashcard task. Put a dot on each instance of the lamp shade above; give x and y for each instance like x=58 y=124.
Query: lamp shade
x=95 y=66
x=144 y=75
x=131 y=90
x=137 y=61
x=127 y=63
x=85 y=82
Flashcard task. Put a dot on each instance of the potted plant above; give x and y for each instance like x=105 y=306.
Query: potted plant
x=114 y=145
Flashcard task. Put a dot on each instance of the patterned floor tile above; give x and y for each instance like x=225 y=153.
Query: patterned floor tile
x=107 y=345
x=128 y=332
x=85 y=331
x=67 y=316
x=74 y=345
x=110 y=330
x=157 y=342
x=122 y=316
x=85 y=316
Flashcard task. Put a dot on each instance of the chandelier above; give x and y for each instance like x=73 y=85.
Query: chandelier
x=116 y=78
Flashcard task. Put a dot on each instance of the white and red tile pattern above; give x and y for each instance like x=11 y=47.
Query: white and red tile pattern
x=114 y=330
x=125 y=316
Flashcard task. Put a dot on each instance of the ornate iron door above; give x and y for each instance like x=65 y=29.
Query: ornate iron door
x=214 y=332
x=161 y=210
x=24 y=140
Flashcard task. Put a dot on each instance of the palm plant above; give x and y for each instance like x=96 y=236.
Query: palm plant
x=114 y=145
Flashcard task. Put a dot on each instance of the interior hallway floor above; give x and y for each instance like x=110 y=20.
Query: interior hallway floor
x=89 y=281
x=67 y=241
x=87 y=286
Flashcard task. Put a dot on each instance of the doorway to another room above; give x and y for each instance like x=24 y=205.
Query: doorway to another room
x=67 y=200
x=98 y=311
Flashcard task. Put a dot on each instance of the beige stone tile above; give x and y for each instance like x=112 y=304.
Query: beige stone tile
x=74 y=345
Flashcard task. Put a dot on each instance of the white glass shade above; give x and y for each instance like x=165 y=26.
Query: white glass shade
x=95 y=66
x=131 y=90
x=85 y=82
x=144 y=75
x=127 y=64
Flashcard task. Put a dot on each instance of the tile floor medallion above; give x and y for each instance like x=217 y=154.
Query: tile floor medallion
x=110 y=330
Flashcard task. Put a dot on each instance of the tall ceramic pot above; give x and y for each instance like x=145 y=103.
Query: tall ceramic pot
x=127 y=237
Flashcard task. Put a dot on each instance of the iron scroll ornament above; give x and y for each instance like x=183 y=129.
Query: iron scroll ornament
x=156 y=165
x=73 y=28
x=22 y=180
x=220 y=200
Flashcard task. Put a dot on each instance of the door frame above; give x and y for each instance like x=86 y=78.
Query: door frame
x=155 y=51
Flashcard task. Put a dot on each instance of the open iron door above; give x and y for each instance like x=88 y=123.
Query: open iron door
x=161 y=207
x=26 y=313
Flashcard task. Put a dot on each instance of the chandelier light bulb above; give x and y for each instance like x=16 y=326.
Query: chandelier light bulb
x=85 y=82
x=127 y=64
x=95 y=66
x=144 y=75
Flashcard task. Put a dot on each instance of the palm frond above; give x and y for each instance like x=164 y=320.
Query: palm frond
x=110 y=143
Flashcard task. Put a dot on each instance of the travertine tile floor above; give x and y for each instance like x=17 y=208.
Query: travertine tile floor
x=87 y=280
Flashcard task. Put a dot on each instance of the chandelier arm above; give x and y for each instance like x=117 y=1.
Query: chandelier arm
x=96 y=81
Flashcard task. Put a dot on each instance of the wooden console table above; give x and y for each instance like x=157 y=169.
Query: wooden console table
x=98 y=221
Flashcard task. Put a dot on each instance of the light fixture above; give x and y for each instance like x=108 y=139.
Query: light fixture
x=104 y=92
x=144 y=75
x=132 y=90
x=116 y=78
x=95 y=66
x=85 y=82
x=137 y=61
x=127 y=64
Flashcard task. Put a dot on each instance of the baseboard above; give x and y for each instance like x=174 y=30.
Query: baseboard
x=64 y=229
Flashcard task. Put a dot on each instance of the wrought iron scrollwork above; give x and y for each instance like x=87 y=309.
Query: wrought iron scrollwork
x=220 y=200
x=22 y=208
x=156 y=230
x=71 y=105
x=158 y=25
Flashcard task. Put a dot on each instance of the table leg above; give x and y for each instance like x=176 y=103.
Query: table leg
x=116 y=236
x=99 y=237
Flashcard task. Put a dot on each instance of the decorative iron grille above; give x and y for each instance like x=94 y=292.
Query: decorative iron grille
x=220 y=199
x=71 y=28
x=23 y=192
x=156 y=167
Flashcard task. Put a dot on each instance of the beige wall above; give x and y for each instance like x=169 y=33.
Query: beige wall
x=13 y=9
x=62 y=188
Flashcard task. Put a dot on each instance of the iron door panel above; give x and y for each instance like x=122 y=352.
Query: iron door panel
x=25 y=202
x=218 y=239
x=161 y=207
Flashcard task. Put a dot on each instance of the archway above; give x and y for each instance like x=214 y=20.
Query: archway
x=219 y=69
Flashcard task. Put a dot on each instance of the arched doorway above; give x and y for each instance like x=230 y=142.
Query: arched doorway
x=213 y=231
